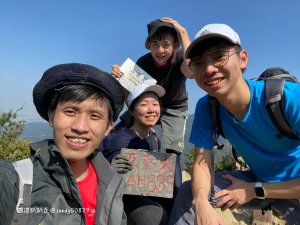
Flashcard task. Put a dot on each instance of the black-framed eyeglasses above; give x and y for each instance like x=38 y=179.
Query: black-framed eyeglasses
x=217 y=58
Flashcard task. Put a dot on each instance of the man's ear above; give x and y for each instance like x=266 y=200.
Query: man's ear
x=148 y=44
x=110 y=126
x=244 y=59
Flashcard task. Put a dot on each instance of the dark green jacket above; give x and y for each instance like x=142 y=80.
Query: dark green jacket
x=55 y=197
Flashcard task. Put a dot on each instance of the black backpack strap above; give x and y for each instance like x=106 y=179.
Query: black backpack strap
x=236 y=156
x=157 y=143
x=274 y=103
x=215 y=110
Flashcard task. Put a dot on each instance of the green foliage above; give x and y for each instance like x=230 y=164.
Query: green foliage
x=226 y=162
x=189 y=160
x=11 y=146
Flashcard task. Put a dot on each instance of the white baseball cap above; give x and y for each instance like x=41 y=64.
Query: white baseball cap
x=214 y=30
x=142 y=88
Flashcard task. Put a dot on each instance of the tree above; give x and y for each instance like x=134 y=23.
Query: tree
x=224 y=159
x=189 y=157
x=227 y=163
x=12 y=147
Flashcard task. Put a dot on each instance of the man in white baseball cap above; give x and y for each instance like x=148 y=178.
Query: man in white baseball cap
x=212 y=31
x=273 y=178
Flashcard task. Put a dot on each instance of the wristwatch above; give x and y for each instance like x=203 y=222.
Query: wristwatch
x=259 y=191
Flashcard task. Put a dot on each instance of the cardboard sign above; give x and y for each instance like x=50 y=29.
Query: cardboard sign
x=152 y=173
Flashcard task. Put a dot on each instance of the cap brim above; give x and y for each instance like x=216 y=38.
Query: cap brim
x=189 y=51
x=158 y=90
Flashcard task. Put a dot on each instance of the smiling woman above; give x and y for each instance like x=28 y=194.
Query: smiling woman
x=145 y=108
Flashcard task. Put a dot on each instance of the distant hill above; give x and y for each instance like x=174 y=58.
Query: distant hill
x=187 y=145
x=36 y=131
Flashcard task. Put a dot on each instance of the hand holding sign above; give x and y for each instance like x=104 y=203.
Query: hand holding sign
x=121 y=164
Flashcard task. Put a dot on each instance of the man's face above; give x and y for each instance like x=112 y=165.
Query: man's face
x=78 y=128
x=219 y=68
x=162 y=50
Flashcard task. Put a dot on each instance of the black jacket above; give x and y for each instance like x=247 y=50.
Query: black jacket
x=55 y=191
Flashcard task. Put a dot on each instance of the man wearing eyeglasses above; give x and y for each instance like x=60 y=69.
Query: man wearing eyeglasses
x=273 y=181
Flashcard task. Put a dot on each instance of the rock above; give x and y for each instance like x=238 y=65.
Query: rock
x=259 y=218
x=227 y=217
x=244 y=216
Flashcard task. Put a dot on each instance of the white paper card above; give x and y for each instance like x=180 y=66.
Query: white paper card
x=134 y=75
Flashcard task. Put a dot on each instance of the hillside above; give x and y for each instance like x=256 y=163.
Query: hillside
x=187 y=145
x=36 y=131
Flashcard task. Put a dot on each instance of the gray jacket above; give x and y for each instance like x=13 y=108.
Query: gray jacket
x=55 y=197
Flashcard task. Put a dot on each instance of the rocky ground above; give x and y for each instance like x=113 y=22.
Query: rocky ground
x=243 y=216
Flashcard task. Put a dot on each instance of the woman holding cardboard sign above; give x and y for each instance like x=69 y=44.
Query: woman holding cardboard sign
x=144 y=106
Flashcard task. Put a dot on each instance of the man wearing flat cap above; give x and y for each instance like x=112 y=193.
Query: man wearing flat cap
x=72 y=183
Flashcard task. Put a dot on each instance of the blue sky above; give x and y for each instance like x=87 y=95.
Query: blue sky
x=35 y=35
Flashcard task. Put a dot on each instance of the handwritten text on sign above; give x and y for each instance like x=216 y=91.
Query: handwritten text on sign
x=152 y=173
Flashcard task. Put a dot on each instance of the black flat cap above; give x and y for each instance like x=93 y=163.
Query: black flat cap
x=75 y=73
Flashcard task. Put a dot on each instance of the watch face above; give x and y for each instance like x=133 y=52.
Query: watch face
x=259 y=191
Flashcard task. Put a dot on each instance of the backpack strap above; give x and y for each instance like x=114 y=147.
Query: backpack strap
x=156 y=142
x=236 y=156
x=275 y=103
x=215 y=110
x=24 y=169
